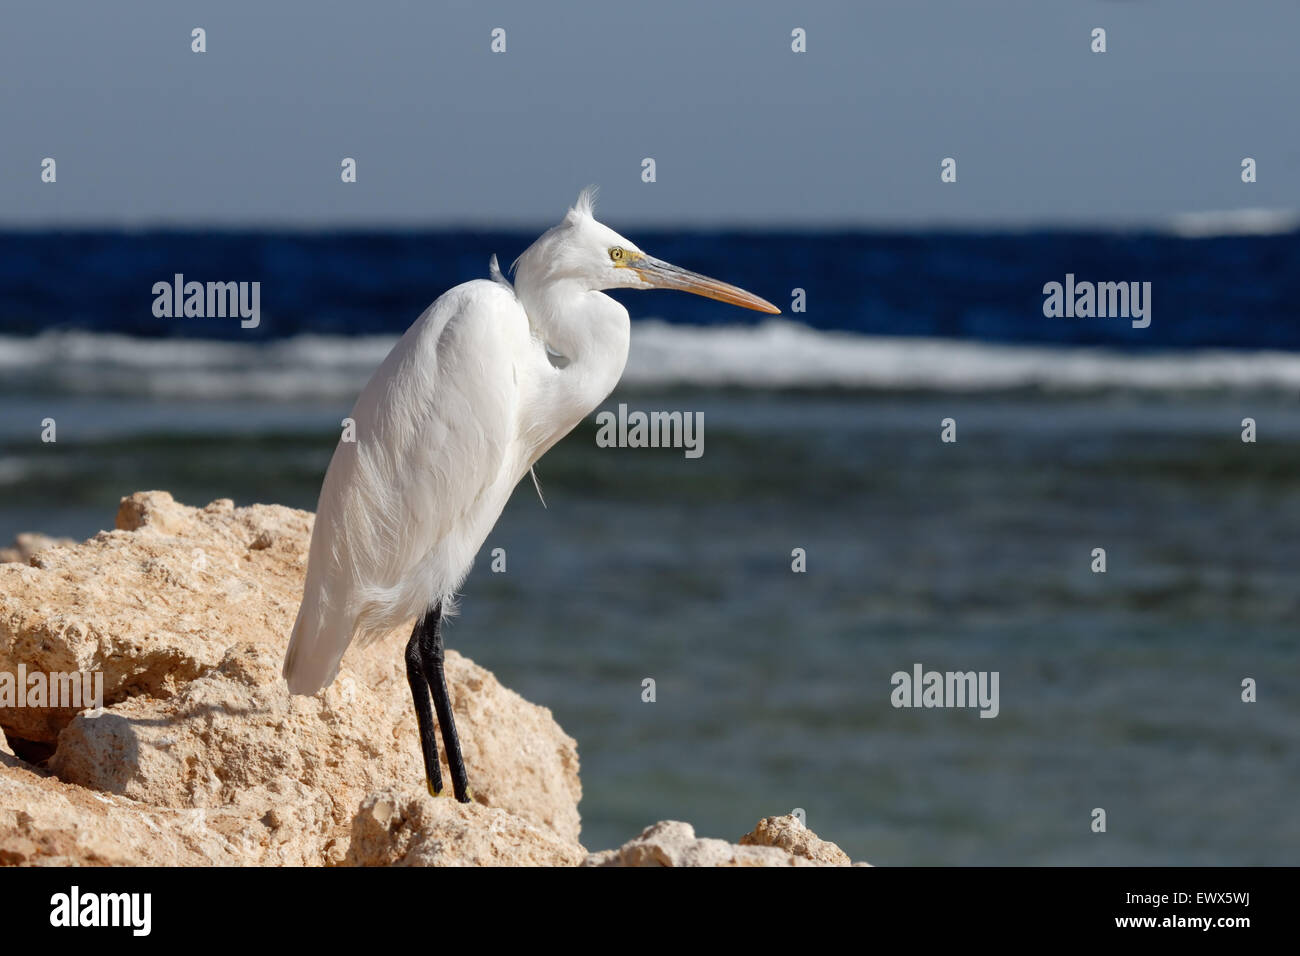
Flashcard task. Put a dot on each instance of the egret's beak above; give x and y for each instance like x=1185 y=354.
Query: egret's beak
x=665 y=275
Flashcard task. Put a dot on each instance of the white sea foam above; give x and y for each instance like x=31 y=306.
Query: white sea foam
x=781 y=354
x=1235 y=222
x=303 y=367
x=775 y=354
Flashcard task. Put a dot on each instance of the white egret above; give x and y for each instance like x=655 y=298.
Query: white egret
x=478 y=389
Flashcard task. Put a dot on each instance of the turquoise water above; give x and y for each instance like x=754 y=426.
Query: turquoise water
x=1118 y=690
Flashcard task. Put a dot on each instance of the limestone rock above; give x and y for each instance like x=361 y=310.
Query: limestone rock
x=44 y=822
x=236 y=738
x=672 y=843
x=25 y=545
x=790 y=834
x=153 y=604
x=186 y=612
x=397 y=827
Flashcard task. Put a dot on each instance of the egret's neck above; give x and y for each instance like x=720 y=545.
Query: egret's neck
x=589 y=332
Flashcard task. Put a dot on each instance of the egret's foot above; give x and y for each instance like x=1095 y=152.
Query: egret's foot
x=437 y=791
x=460 y=788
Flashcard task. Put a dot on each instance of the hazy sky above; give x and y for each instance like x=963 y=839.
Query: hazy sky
x=743 y=130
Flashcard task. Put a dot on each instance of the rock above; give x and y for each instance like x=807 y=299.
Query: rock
x=672 y=843
x=236 y=738
x=186 y=612
x=153 y=604
x=46 y=822
x=790 y=834
x=25 y=545
x=397 y=827
x=160 y=602
x=776 y=841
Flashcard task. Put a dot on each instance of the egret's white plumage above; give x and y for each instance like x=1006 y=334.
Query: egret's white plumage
x=479 y=388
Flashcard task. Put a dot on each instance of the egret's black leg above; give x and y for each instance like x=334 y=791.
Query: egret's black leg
x=423 y=712
x=431 y=654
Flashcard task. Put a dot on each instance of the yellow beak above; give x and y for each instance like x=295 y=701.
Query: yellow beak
x=665 y=275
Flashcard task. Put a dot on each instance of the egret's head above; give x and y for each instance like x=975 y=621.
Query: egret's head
x=590 y=252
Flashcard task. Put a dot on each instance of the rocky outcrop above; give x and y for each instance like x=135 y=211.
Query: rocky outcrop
x=789 y=833
x=199 y=754
x=235 y=737
x=398 y=827
x=776 y=841
x=153 y=604
x=46 y=822
x=26 y=545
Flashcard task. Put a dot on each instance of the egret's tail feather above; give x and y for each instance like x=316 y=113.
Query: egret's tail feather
x=315 y=649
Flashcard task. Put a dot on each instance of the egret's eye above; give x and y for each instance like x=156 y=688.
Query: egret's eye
x=616 y=254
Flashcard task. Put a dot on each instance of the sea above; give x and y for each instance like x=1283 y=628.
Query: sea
x=826 y=541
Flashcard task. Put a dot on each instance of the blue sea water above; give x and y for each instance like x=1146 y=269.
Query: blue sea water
x=1235 y=291
x=1119 y=690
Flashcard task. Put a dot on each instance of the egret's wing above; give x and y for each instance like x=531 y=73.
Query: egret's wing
x=405 y=507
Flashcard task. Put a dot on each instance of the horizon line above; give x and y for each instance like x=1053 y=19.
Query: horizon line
x=1246 y=221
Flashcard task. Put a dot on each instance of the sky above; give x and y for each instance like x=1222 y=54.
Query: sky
x=743 y=131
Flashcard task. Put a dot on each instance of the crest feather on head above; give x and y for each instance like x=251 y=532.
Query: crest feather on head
x=586 y=203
